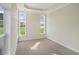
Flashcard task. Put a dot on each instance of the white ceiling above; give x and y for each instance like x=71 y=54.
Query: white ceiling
x=43 y=6
x=38 y=6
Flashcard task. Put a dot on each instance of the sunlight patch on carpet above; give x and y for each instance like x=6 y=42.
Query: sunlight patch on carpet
x=35 y=46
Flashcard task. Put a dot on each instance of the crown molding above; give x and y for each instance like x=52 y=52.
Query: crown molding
x=57 y=8
x=33 y=10
x=51 y=9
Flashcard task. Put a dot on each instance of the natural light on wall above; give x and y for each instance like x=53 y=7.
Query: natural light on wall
x=42 y=24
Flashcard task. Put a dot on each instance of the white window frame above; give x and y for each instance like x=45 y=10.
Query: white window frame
x=1 y=35
x=20 y=24
x=44 y=23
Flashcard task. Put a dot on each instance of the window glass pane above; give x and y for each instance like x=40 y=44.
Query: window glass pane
x=22 y=28
x=42 y=30
x=1 y=24
x=22 y=16
x=42 y=24
x=22 y=24
x=1 y=16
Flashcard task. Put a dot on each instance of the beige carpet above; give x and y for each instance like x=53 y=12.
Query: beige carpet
x=41 y=47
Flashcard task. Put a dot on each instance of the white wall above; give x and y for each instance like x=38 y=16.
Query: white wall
x=63 y=26
x=32 y=23
x=33 y=26
x=14 y=21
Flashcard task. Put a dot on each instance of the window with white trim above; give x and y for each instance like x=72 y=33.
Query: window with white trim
x=42 y=24
x=1 y=21
x=22 y=24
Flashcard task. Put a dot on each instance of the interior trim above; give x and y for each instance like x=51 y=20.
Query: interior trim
x=63 y=45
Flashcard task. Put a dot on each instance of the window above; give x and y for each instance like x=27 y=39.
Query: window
x=22 y=24
x=42 y=24
x=1 y=22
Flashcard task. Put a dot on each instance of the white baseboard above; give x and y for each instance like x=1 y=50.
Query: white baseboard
x=33 y=39
x=63 y=45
